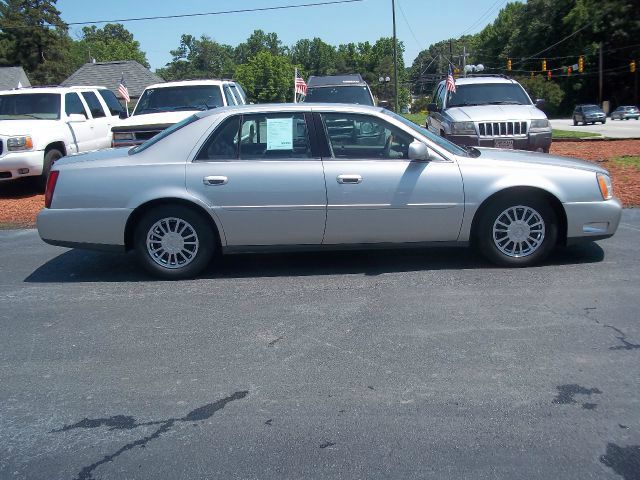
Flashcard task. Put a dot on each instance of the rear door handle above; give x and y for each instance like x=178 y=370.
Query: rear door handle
x=215 y=180
x=349 y=179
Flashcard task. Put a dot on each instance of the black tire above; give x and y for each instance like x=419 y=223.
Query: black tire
x=522 y=205
x=50 y=157
x=604 y=121
x=575 y=122
x=195 y=257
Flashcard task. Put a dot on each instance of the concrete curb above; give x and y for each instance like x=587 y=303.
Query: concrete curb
x=593 y=139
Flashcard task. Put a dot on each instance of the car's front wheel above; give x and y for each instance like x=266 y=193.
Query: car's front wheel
x=174 y=242
x=575 y=121
x=517 y=232
x=51 y=157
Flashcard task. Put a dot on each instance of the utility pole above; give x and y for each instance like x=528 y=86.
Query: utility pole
x=600 y=77
x=464 y=60
x=395 y=57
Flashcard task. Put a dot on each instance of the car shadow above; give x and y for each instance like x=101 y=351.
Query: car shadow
x=87 y=266
x=20 y=188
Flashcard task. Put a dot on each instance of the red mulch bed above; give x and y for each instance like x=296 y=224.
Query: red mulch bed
x=20 y=201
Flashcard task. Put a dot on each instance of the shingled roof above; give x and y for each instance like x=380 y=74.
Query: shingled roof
x=10 y=76
x=108 y=74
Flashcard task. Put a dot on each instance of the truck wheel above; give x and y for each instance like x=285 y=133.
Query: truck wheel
x=50 y=158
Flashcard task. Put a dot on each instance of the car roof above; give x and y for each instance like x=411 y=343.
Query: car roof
x=292 y=107
x=186 y=83
x=336 y=80
x=483 y=80
x=50 y=89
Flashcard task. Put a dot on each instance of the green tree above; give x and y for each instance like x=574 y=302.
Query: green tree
x=267 y=78
x=33 y=35
x=257 y=42
x=315 y=56
x=199 y=58
x=540 y=87
x=112 y=42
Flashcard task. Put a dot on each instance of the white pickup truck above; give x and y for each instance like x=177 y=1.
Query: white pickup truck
x=40 y=125
x=163 y=104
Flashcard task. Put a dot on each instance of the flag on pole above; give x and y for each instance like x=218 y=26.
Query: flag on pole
x=123 y=90
x=300 y=85
x=451 y=82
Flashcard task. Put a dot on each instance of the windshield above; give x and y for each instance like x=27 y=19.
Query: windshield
x=27 y=106
x=339 y=94
x=488 y=94
x=442 y=142
x=165 y=133
x=591 y=108
x=167 y=99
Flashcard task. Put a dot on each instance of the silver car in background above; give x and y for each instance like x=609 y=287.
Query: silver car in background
x=319 y=176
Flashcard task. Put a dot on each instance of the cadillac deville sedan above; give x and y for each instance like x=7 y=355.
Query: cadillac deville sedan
x=323 y=176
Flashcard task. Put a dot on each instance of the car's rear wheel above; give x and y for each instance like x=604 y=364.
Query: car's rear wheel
x=517 y=232
x=174 y=242
x=575 y=122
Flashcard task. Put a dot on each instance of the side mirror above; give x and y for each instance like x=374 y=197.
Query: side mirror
x=432 y=107
x=123 y=115
x=76 y=118
x=418 y=151
x=539 y=102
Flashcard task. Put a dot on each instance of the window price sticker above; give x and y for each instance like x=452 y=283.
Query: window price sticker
x=279 y=133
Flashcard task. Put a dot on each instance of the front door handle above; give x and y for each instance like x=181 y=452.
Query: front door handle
x=349 y=179
x=215 y=180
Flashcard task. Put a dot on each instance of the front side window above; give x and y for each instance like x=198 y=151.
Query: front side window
x=73 y=105
x=94 y=104
x=440 y=97
x=29 y=106
x=366 y=137
x=274 y=136
x=223 y=143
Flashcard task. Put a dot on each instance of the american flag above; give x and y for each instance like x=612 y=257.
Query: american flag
x=301 y=87
x=451 y=83
x=123 y=91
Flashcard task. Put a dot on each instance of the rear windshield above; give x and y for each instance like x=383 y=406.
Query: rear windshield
x=168 y=99
x=27 y=106
x=339 y=94
x=163 y=134
x=488 y=94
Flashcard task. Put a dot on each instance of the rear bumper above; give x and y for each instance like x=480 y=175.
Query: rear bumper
x=533 y=141
x=588 y=221
x=15 y=162
x=93 y=228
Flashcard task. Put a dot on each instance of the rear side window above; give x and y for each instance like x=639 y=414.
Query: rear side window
x=274 y=136
x=223 y=142
x=94 y=104
x=73 y=105
x=112 y=102
x=229 y=96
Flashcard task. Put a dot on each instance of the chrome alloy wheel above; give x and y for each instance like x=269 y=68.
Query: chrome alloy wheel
x=518 y=231
x=172 y=243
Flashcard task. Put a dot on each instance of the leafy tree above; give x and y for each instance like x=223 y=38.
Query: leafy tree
x=267 y=78
x=257 y=42
x=199 y=58
x=315 y=56
x=540 y=87
x=33 y=35
x=110 y=43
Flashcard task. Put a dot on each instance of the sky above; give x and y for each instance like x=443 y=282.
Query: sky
x=419 y=23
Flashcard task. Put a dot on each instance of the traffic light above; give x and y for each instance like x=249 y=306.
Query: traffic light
x=509 y=64
x=632 y=66
x=544 y=65
x=548 y=74
x=580 y=64
x=569 y=70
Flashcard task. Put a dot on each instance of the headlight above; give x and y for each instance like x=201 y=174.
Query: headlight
x=604 y=182
x=463 y=128
x=540 y=124
x=20 y=143
x=122 y=136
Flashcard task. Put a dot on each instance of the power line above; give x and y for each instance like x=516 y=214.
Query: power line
x=555 y=44
x=485 y=14
x=202 y=14
x=408 y=25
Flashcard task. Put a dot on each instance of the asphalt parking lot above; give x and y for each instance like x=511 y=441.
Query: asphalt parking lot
x=384 y=364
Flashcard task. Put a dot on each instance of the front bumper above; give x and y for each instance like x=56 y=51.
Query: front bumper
x=28 y=162
x=587 y=221
x=534 y=141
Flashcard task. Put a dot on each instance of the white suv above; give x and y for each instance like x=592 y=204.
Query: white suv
x=489 y=111
x=40 y=125
x=163 y=104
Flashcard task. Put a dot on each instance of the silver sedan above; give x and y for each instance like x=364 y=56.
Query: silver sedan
x=301 y=176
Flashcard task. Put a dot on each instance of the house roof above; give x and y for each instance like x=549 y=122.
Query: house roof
x=136 y=77
x=10 y=76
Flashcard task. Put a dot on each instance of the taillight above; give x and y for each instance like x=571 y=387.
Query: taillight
x=51 y=186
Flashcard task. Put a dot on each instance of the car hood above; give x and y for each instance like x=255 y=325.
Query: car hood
x=158 y=118
x=539 y=159
x=497 y=113
x=26 y=127
x=93 y=155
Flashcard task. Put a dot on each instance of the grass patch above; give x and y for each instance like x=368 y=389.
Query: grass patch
x=627 y=161
x=419 y=118
x=571 y=134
